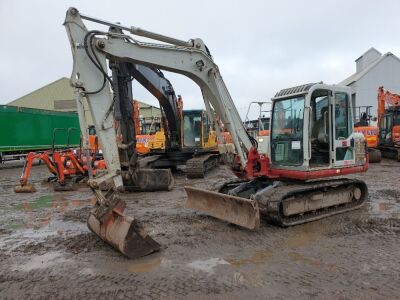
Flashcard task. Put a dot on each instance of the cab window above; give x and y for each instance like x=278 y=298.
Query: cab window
x=341 y=116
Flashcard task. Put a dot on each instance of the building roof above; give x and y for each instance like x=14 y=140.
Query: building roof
x=357 y=76
x=47 y=97
x=372 y=49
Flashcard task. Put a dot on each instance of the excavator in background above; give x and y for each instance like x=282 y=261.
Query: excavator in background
x=291 y=186
x=370 y=132
x=389 y=123
x=185 y=137
x=259 y=128
x=68 y=166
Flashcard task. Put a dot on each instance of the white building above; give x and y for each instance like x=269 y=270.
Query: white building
x=373 y=70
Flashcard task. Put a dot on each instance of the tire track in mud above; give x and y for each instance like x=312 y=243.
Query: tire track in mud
x=353 y=255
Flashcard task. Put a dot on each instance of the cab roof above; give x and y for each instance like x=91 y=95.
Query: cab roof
x=300 y=89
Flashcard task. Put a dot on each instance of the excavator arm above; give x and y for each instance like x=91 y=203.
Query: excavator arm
x=161 y=88
x=92 y=52
x=91 y=49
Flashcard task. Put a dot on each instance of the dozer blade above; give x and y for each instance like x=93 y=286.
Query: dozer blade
x=122 y=232
x=27 y=188
x=236 y=210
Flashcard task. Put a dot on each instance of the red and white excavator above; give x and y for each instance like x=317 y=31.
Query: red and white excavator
x=312 y=139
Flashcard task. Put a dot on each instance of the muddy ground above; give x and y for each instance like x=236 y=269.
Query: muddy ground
x=46 y=250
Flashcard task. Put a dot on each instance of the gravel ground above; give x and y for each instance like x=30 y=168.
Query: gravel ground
x=46 y=250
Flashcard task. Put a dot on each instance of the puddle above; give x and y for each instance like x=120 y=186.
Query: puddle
x=385 y=209
x=41 y=262
x=302 y=236
x=299 y=257
x=207 y=265
x=87 y=271
x=21 y=237
x=294 y=256
x=259 y=257
x=55 y=201
x=147 y=264
x=42 y=211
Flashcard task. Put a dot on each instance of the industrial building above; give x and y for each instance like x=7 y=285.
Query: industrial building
x=373 y=70
x=59 y=96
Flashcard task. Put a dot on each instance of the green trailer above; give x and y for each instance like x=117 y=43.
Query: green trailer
x=25 y=129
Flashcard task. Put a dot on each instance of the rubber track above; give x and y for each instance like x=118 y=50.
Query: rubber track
x=280 y=193
x=390 y=152
x=198 y=166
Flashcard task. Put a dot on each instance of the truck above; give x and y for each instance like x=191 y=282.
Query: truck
x=28 y=129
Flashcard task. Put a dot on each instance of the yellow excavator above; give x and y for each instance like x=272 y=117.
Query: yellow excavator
x=312 y=139
x=196 y=132
x=198 y=148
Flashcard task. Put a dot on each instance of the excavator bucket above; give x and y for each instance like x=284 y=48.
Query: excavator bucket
x=122 y=232
x=236 y=210
x=27 y=188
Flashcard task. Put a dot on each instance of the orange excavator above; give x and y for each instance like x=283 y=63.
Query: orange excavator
x=259 y=128
x=67 y=166
x=389 y=123
x=370 y=132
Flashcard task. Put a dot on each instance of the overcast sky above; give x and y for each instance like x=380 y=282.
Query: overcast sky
x=260 y=46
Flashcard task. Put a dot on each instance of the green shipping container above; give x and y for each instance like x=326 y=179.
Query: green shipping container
x=26 y=129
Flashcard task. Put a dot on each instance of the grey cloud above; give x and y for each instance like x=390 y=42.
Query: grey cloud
x=260 y=46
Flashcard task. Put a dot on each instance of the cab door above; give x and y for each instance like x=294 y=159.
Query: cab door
x=206 y=130
x=385 y=130
x=342 y=145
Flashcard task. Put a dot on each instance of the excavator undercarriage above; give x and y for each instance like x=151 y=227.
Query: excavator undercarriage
x=285 y=203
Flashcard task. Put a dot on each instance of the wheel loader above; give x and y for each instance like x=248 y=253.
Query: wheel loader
x=309 y=143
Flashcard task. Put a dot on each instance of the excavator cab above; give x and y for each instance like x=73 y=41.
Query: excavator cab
x=389 y=123
x=312 y=138
x=198 y=132
x=389 y=130
x=312 y=128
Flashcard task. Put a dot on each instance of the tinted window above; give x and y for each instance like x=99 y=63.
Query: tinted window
x=341 y=116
